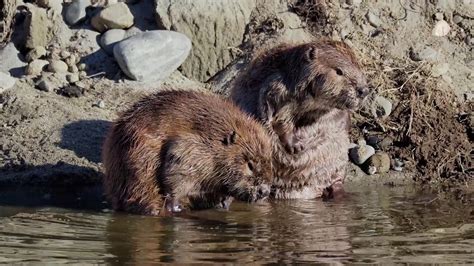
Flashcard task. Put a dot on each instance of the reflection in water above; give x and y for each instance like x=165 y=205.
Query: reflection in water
x=372 y=225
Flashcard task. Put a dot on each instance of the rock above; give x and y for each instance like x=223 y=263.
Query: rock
x=386 y=143
x=35 y=53
x=45 y=85
x=72 y=77
x=10 y=60
x=65 y=54
x=427 y=54
x=441 y=28
x=57 y=66
x=381 y=107
x=116 y=16
x=214 y=25
x=72 y=91
x=377 y=163
x=152 y=55
x=73 y=69
x=39 y=27
x=361 y=153
x=71 y=60
x=43 y=3
x=373 y=19
x=76 y=11
x=36 y=67
x=82 y=66
x=354 y=2
x=398 y=164
x=439 y=69
x=6 y=81
x=100 y=104
x=82 y=75
x=439 y=16
x=132 y=31
x=110 y=38
x=457 y=19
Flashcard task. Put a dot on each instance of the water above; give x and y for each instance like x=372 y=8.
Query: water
x=371 y=225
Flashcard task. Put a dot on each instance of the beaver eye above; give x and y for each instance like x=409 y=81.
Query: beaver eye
x=339 y=72
x=250 y=166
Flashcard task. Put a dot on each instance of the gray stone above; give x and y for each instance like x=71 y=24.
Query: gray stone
x=439 y=16
x=439 y=69
x=10 y=61
x=6 y=81
x=381 y=107
x=35 y=53
x=214 y=25
x=428 y=54
x=39 y=27
x=110 y=38
x=57 y=66
x=117 y=16
x=73 y=69
x=457 y=19
x=361 y=153
x=36 y=67
x=132 y=31
x=398 y=165
x=65 y=54
x=373 y=19
x=82 y=67
x=76 y=11
x=152 y=55
x=82 y=75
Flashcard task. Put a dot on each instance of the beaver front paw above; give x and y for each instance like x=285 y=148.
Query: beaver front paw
x=293 y=145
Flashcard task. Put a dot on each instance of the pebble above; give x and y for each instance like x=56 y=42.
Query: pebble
x=45 y=85
x=76 y=11
x=110 y=38
x=152 y=55
x=441 y=28
x=35 y=53
x=361 y=153
x=398 y=165
x=381 y=107
x=71 y=60
x=65 y=54
x=354 y=2
x=57 y=66
x=100 y=104
x=72 y=91
x=377 y=163
x=6 y=81
x=73 y=69
x=35 y=67
x=439 y=69
x=82 y=67
x=439 y=16
x=457 y=19
x=117 y=16
x=82 y=75
x=427 y=54
x=373 y=19
x=72 y=77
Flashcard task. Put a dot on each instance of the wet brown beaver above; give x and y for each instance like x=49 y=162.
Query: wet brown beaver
x=303 y=94
x=178 y=147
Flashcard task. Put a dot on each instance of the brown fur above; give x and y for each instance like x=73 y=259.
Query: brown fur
x=179 y=146
x=303 y=94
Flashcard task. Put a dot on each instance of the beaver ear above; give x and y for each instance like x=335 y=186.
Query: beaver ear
x=311 y=53
x=230 y=138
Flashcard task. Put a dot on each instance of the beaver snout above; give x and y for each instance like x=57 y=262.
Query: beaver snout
x=362 y=91
x=263 y=191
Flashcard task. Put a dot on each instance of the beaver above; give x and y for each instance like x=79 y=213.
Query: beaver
x=176 y=148
x=303 y=94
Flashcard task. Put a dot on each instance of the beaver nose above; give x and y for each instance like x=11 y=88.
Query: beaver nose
x=263 y=191
x=362 y=91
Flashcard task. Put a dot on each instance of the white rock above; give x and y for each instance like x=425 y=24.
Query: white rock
x=57 y=66
x=35 y=53
x=72 y=77
x=36 y=67
x=152 y=55
x=373 y=19
x=10 y=60
x=381 y=107
x=441 y=28
x=76 y=11
x=439 y=69
x=110 y=38
x=6 y=81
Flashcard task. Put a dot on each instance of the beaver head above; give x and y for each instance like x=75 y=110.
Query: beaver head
x=328 y=73
x=248 y=164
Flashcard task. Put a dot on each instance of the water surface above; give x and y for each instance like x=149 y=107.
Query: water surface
x=373 y=224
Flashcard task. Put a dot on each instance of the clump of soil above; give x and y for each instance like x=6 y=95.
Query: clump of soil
x=314 y=12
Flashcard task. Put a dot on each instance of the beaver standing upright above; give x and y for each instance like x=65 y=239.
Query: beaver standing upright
x=303 y=94
x=180 y=147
